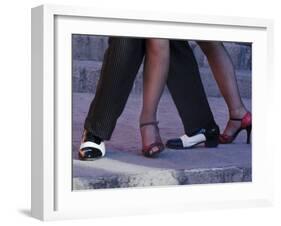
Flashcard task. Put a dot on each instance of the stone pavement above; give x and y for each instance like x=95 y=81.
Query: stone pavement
x=124 y=166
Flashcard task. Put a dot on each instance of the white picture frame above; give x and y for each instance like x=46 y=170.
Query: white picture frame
x=52 y=197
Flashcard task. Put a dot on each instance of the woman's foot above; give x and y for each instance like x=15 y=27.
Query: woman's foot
x=235 y=126
x=151 y=141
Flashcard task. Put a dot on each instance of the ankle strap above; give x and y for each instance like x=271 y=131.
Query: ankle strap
x=149 y=123
x=236 y=119
x=240 y=119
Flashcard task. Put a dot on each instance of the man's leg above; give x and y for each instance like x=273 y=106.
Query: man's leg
x=120 y=66
x=121 y=63
x=187 y=90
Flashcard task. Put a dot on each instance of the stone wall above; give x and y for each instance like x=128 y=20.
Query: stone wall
x=88 y=54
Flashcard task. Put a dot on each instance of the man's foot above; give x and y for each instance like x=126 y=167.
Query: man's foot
x=208 y=136
x=91 y=147
x=151 y=141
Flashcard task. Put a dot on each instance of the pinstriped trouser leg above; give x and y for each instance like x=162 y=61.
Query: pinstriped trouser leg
x=186 y=88
x=121 y=63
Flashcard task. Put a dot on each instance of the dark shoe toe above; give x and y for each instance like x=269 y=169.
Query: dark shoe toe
x=90 y=154
x=174 y=143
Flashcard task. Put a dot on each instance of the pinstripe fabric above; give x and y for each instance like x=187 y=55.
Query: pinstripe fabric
x=187 y=90
x=121 y=62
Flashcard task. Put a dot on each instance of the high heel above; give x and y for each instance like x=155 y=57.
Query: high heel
x=246 y=124
x=249 y=130
x=147 y=150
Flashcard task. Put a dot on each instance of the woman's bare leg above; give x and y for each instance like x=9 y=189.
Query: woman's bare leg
x=156 y=67
x=223 y=70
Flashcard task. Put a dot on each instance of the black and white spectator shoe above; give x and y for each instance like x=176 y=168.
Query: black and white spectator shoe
x=91 y=147
x=210 y=137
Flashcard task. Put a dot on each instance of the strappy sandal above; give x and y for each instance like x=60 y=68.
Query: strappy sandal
x=246 y=124
x=91 y=147
x=147 y=151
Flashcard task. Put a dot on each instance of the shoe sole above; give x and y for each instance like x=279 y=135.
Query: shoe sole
x=88 y=159
x=178 y=148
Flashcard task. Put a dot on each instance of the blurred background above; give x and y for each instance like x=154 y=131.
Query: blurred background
x=88 y=51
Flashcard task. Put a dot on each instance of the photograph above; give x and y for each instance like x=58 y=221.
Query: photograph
x=150 y=112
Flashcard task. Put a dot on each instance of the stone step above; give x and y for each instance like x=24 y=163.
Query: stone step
x=86 y=75
x=165 y=178
x=90 y=47
x=241 y=55
x=120 y=169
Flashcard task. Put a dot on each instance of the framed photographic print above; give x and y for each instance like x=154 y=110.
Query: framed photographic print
x=137 y=112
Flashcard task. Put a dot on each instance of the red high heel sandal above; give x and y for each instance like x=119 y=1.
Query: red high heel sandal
x=147 y=150
x=246 y=124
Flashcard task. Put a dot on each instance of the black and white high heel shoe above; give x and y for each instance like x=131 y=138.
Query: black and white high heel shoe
x=91 y=147
x=208 y=136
